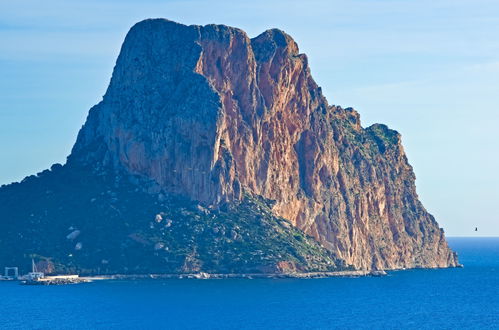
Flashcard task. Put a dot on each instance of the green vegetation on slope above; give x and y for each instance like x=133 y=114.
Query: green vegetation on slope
x=83 y=222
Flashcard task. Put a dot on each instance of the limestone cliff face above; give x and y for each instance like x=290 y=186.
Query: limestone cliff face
x=209 y=114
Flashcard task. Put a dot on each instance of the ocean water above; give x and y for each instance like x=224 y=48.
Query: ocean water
x=462 y=298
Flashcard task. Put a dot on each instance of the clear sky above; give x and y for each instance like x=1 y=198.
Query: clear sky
x=427 y=68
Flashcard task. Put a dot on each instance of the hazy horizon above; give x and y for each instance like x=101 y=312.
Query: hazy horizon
x=429 y=69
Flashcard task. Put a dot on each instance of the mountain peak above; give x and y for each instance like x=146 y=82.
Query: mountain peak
x=271 y=40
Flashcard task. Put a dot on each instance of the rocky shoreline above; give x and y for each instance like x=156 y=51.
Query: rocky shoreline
x=206 y=276
x=57 y=281
x=202 y=275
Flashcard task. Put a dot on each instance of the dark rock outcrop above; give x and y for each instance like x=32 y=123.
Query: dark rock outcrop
x=206 y=114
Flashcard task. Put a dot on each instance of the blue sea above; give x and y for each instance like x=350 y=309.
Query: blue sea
x=460 y=298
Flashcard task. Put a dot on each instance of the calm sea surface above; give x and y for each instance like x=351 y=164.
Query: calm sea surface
x=416 y=299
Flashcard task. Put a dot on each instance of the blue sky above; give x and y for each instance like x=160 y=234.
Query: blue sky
x=429 y=69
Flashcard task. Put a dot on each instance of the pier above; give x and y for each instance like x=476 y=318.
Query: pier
x=35 y=277
x=56 y=280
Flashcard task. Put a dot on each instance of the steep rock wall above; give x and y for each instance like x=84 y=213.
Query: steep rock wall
x=207 y=113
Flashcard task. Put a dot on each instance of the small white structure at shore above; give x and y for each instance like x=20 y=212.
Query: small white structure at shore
x=34 y=275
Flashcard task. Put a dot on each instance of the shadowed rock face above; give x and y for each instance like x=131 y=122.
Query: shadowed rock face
x=209 y=114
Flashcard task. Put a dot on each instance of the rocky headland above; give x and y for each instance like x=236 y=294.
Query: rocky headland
x=213 y=152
